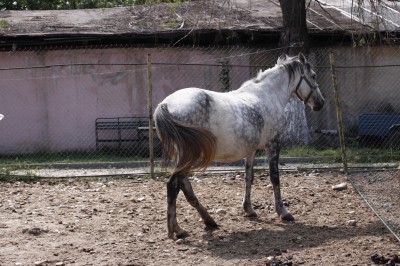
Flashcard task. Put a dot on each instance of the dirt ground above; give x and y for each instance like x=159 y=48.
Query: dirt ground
x=115 y=221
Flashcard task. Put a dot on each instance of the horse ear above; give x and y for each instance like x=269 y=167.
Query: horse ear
x=302 y=58
x=281 y=58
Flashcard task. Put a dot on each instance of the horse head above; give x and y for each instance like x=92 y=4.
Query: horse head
x=305 y=85
x=307 y=88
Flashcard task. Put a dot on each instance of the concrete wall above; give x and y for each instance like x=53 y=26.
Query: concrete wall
x=368 y=89
x=53 y=109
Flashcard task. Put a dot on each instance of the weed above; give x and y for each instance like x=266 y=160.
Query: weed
x=4 y=23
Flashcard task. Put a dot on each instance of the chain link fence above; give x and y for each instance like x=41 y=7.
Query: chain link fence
x=370 y=102
x=64 y=106
x=380 y=190
x=79 y=108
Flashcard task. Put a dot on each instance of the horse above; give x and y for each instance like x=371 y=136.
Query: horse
x=197 y=126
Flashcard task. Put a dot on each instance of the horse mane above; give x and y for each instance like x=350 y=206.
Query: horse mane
x=290 y=64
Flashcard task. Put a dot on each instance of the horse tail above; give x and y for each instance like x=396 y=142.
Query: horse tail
x=190 y=147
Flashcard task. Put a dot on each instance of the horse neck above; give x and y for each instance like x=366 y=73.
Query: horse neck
x=278 y=83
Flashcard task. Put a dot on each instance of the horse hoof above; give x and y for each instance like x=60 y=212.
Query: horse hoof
x=287 y=217
x=211 y=226
x=250 y=215
x=183 y=234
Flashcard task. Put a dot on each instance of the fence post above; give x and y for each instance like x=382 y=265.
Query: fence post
x=150 y=101
x=338 y=112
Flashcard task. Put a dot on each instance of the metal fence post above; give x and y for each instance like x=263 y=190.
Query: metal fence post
x=150 y=100
x=338 y=112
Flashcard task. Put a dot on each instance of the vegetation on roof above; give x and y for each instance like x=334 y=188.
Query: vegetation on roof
x=74 y=4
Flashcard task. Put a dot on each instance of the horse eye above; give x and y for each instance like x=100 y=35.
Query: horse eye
x=314 y=76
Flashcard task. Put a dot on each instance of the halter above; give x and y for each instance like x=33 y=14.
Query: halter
x=313 y=88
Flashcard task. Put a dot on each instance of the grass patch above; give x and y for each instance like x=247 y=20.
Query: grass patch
x=333 y=155
x=8 y=164
x=19 y=178
x=7 y=173
x=70 y=157
x=372 y=155
x=4 y=23
x=307 y=151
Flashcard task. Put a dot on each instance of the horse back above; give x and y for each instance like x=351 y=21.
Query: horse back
x=192 y=106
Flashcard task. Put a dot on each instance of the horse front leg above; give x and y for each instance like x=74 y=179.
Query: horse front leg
x=249 y=177
x=273 y=151
x=173 y=187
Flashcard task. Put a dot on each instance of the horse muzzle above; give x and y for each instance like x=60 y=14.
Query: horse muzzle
x=317 y=106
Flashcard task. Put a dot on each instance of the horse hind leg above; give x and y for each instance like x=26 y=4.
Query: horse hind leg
x=192 y=199
x=173 y=187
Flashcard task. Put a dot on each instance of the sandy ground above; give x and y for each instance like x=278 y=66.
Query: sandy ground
x=121 y=221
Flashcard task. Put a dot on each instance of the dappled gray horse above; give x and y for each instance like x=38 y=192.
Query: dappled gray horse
x=197 y=127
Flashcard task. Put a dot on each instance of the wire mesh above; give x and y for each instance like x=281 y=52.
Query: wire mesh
x=380 y=190
x=370 y=102
x=91 y=105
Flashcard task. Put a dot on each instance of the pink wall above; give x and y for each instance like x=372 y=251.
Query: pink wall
x=54 y=108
